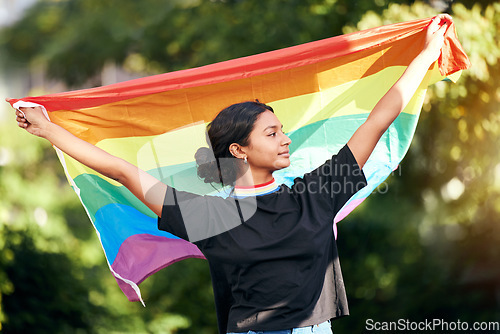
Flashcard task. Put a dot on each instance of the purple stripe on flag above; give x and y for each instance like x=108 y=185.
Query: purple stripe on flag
x=142 y=255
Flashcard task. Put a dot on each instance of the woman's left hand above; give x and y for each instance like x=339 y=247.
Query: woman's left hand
x=434 y=39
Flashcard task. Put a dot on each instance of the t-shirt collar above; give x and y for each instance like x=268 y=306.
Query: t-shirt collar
x=256 y=190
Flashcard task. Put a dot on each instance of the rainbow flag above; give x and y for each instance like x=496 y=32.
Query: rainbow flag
x=321 y=91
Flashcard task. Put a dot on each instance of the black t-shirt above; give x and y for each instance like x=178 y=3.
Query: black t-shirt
x=273 y=258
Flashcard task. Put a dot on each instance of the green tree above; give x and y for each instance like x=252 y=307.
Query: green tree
x=76 y=38
x=41 y=286
x=37 y=283
x=430 y=244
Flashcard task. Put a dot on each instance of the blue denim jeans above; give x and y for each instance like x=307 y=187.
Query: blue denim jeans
x=323 y=328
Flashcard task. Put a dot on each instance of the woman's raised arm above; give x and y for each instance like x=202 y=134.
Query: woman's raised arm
x=395 y=100
x=145 y=187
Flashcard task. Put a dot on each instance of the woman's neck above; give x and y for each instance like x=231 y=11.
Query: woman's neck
x=250 y=179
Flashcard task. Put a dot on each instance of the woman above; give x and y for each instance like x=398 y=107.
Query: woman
x=270 y=248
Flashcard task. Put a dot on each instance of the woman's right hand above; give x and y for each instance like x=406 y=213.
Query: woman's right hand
x=33 y=120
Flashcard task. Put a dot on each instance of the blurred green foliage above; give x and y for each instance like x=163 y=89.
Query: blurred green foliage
x=76 y=38
x=426 y=249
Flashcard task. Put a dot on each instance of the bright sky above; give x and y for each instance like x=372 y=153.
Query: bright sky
x=11 y=10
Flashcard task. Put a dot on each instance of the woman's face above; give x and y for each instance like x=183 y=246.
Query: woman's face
x=267 y=150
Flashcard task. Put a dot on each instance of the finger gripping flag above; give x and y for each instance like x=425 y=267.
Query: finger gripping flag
x=321 y=91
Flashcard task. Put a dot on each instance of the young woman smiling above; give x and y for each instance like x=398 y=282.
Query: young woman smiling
x=270 y=248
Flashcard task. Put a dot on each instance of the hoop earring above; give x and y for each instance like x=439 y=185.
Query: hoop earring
x=245 y=160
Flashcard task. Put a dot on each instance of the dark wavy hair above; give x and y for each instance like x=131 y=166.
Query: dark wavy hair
x=232 y=125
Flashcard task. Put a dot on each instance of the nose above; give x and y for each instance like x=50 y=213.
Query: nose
x=286 y=140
